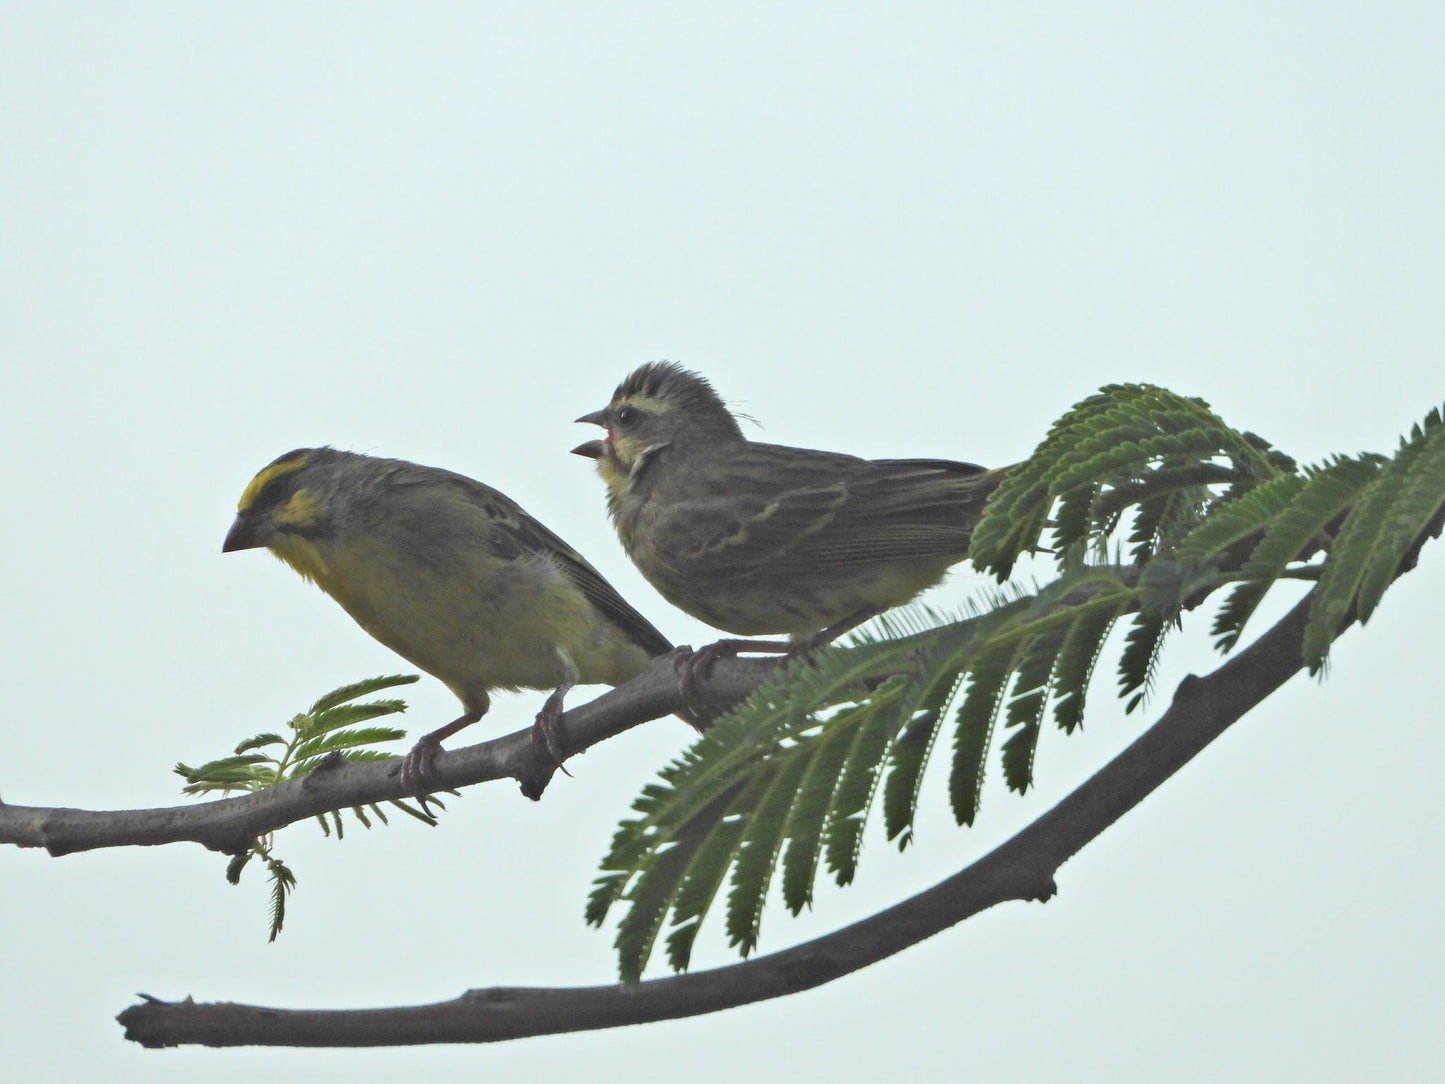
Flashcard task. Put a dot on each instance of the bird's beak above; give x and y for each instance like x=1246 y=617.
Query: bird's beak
x=593 y=449
x=246 y=533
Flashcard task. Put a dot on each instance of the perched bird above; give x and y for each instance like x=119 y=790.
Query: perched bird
x=451 y=575
x=760 y=538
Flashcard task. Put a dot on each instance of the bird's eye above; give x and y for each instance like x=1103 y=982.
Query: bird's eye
x=626 y=415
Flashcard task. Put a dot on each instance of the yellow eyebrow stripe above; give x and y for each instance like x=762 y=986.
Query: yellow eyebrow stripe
x=282 y=466
x=646 y=403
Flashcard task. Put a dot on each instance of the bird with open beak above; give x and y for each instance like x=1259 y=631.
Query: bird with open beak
x=759 y=539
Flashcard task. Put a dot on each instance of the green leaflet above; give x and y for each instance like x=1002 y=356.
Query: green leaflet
x=775 y=714
x=1139 y=657
x=1158 y=482
x=1237 y=519
x=697 y=890
x=337 y=740
x=1023 y=717
x=907 y=759
x=857 y=783
x=1083 y=644
x=1130 y=445
x=314 y=736
x=757 y=856
x=810 y=814
x=1293 y=530
x=343 y=715
x=283 y=882
x=660 y=882
x=347 y=693
x=988 y=674
x=1386 y=521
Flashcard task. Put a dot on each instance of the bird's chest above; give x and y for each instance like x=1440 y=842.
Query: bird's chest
x=636 y=519
x=458 y=624
x=633 y=514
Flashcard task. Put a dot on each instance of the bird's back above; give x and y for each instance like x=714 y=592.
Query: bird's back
x=456 y=577
x=761 y=538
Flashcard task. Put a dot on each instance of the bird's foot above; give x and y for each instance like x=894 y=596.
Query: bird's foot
x=418 y=768
x=694 y=666
x=545 y=731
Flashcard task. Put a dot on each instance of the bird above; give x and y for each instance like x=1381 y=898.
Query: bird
x=765 y=539
x=450 y=574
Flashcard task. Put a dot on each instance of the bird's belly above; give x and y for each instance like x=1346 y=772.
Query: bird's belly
x=801 y=605
x=500 y=634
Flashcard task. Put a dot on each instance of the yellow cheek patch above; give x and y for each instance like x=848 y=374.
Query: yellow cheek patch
x=625 y=453
x=300 y=510
x=285 y=465
x=302 y=555
x=616 y=480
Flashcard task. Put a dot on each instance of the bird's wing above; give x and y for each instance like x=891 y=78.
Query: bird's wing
x=514 y=534
x=871 y=512
x=531 y=536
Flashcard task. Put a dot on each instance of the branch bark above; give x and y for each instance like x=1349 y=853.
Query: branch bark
x=230 y=824
x=1021 y=869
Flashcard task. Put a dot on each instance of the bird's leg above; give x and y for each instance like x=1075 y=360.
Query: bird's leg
x=833 y=631
x=418 y=766
x=544 y=730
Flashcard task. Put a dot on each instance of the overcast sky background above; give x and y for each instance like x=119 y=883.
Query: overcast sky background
x=442 y=232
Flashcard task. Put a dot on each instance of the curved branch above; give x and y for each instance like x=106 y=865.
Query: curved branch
x=1021 y=869
x=230 y=824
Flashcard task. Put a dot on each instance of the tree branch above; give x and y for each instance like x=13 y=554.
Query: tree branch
x=230 y=824
x=1021 y=869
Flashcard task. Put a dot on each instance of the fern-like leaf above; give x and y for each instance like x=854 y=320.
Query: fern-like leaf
x=1023 y=716
x=1293 y=530
x=907 y=758
x=347 y=715
x=699 y=887
x=786 y=784
x=260 y=741
x=758 y=856
x=857 y=778
x=815 y=798
x=283 y=882
x=988 y=675
x=656 y=887
x=316 y=738
x=347 y=693
x=338 y=740
x=1134 y=438
x=1141 y=653
x=1079 y=654
x=1386 y=521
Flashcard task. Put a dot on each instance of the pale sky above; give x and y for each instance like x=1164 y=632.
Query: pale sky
x=443 y=231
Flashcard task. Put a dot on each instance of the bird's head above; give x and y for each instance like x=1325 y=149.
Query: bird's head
x=660 y=404
x=287 y=508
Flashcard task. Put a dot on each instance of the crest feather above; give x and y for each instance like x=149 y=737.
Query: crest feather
x=669 y=382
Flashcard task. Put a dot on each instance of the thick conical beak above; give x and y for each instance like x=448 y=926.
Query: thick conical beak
x=597 y=417
x=246 y=533
x=592 y=449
